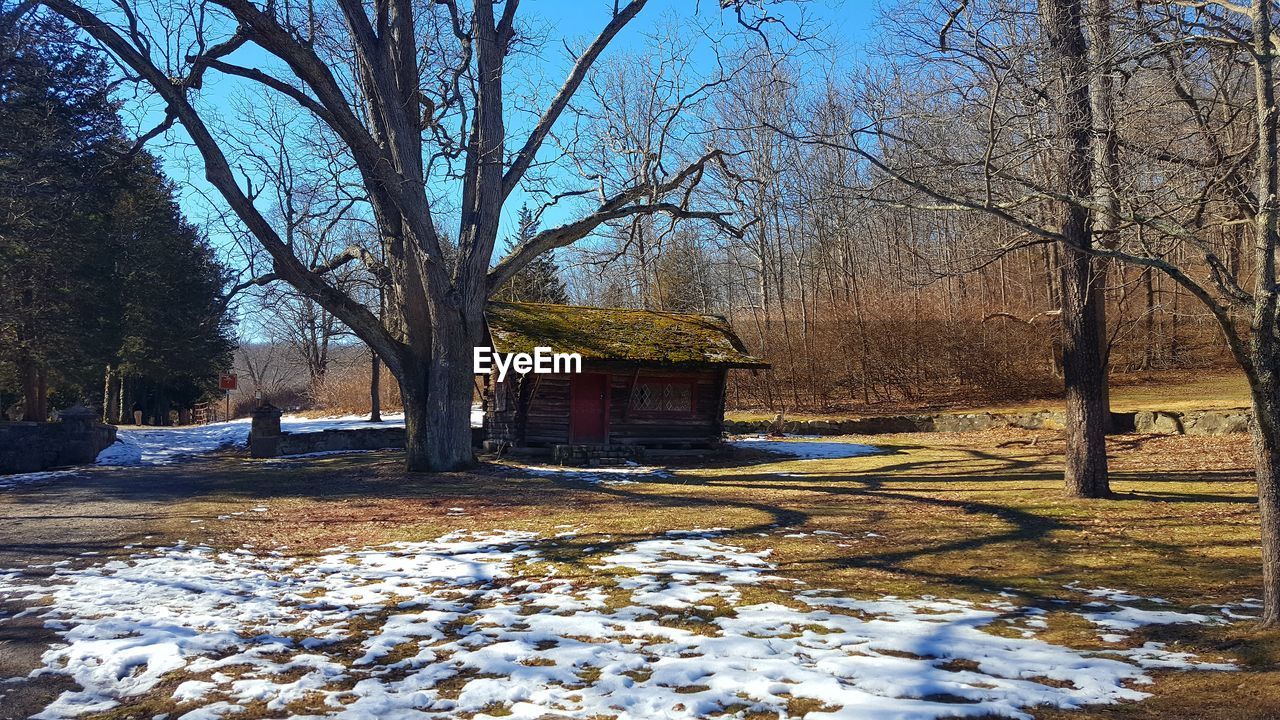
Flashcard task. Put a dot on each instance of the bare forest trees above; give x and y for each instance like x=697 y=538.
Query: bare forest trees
x=310 y=197
x=989 y=112
x=417 y=95
x=1196 y=183
x=1153 y=144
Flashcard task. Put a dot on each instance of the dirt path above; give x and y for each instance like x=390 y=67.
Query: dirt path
x=78 y=519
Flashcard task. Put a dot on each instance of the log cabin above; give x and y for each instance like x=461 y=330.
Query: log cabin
x=652 y=384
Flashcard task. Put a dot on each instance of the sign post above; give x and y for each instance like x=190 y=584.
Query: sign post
x=227 y=382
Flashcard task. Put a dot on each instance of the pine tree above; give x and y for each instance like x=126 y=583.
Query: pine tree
x=57 y=124
x=540 y=280
x=98 y=268
x=173 y=337
x=680 y=276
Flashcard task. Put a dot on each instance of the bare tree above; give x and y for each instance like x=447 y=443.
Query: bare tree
x=1196 y=168
x=416 y=95
x=314 y=203
x=989 y=112
x=1179 y=169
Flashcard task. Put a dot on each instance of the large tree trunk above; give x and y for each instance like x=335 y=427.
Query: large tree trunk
x=437 y=429
x=1265 y=430
x=437 y=406
x=1264 y=373
x=1085 y=378
x=1083 y=368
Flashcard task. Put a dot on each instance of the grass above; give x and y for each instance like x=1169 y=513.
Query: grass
x=1170 y=390
x=952 y=515
x=1183 y=391
x=1177 y=391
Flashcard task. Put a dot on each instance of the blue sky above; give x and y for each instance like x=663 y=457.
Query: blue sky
x=846 y=22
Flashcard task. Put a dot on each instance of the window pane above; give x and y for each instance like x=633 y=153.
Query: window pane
x=676 y=398
x=663 y=397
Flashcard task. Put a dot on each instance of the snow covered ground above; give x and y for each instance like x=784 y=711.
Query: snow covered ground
x=162 y=445
x=157 y=446
x=485 y=623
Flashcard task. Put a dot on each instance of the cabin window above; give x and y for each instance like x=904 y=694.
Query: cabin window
x=663 y=397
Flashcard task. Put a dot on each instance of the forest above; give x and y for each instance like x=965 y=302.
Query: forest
x=995 y=200
x=863 y=291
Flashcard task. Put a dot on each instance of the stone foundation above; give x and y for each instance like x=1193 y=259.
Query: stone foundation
x=596 y=455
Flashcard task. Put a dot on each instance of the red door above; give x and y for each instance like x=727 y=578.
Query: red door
x=589 y=408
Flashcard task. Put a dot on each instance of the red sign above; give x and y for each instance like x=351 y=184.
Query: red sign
x=227 y=382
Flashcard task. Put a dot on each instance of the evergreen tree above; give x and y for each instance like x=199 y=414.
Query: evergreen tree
x=540 y=280
x=680 y=282
x=57 y=124
x=98 y=268
x=173 y=338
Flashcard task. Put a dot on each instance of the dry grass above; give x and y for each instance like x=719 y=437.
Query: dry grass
x=954 y=515
x=1172 y=390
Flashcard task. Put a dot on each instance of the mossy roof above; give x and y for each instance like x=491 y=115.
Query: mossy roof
x=645 y=336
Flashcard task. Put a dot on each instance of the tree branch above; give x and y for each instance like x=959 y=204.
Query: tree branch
x=353 y=252
x=218 y=172
x=1239 y=347
x=581 y=67
x=623 y=204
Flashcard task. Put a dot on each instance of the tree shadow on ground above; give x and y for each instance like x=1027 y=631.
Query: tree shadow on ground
x=966 y=484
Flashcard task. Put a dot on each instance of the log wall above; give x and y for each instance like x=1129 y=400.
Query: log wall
x=533 y=411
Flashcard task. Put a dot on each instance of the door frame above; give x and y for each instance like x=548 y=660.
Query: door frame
x=604 y=409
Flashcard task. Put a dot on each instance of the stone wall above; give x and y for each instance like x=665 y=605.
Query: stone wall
x=76 y=439
x=1206 y=422
x=267 y=440
x=335 y=440
x=1201 y=422
x=880 y=424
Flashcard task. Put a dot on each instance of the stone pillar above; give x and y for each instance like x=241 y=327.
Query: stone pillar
x=79 y=436
x=264 y=433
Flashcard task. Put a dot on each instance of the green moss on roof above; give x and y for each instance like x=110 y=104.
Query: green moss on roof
x=617 y=334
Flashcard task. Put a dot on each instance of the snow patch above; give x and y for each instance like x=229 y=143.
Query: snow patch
x=8 y=482
x=659 y=629
x=622 y=475
x=160 y=446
